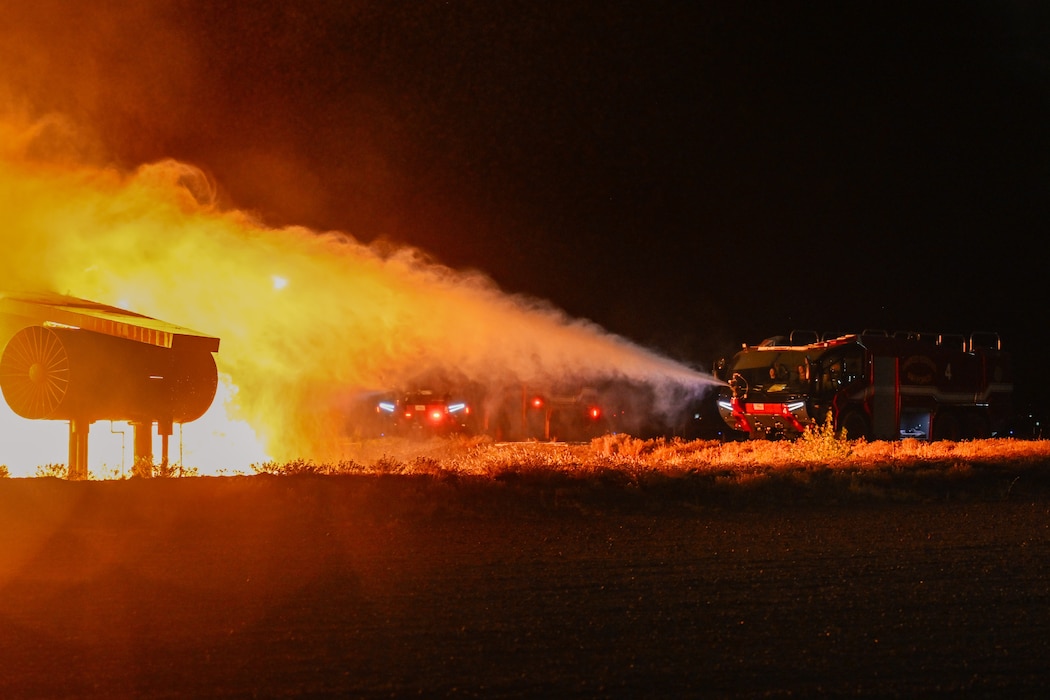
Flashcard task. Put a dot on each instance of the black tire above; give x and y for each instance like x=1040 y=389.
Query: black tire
x=977 y=427
x=855 y=425
x=946 y=426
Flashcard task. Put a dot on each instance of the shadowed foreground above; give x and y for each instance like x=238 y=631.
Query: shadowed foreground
x=396 y=585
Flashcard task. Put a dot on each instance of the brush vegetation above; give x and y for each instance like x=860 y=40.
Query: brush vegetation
x=813 y=451
x=819 y=466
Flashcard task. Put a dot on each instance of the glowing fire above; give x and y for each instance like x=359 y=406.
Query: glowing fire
x=307 y=320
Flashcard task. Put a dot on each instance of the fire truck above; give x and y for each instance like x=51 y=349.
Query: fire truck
x=423 y=411
x=545 y=412
x=873 y=385
x=565 y=415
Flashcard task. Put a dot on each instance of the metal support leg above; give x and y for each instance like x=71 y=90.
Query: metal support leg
x=143 y=465
x=78 y=449
x=165 y=428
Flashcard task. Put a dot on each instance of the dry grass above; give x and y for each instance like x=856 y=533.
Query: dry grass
x=817 y=468
x=482 y=456
x=818 y=453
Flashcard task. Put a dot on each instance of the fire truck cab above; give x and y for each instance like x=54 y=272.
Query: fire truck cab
x=872 y=385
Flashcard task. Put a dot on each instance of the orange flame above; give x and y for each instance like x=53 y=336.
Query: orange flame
x=306 y=319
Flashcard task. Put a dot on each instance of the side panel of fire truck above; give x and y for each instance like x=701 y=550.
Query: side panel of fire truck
x=946 y=391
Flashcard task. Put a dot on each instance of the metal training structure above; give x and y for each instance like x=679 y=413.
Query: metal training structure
x=80 y=361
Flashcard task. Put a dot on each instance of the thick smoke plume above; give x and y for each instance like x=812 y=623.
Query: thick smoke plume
x=309 y=322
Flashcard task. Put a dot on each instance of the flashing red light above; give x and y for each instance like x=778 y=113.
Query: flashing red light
x=594 y=412
x=436 y=416
x=537 y=402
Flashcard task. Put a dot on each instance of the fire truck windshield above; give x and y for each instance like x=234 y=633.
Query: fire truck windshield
x=772 y=371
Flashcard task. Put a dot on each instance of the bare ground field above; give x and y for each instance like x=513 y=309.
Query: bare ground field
x=895 y=581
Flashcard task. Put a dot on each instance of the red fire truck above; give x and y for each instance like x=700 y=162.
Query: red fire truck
x=423 y=411
x=545 y=412
x=873 y=385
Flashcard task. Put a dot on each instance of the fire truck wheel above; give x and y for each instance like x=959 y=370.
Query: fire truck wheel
x=977 y=427
x=946 y=426
x=856 y=426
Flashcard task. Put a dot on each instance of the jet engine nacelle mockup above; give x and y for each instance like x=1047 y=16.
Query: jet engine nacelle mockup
x=74 y=374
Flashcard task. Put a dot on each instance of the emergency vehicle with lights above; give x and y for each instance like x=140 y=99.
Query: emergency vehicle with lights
x=424 y=411
x=543 y=412
x=564 y=415
x=872 y=385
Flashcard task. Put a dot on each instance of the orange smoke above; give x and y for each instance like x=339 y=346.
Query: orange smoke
x=307 y=320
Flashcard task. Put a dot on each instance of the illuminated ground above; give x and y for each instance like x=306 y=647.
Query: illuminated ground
x=525 y=585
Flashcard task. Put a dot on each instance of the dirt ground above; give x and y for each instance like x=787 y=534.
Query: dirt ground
x=394 y=586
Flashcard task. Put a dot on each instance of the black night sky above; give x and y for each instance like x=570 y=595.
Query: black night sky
x=688 y=175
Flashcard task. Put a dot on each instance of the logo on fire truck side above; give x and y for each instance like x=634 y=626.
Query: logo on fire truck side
x=919 y=369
